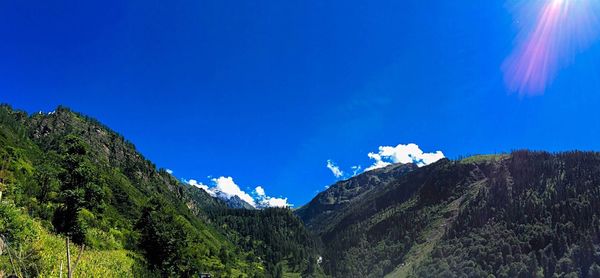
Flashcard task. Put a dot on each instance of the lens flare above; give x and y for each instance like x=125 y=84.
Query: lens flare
x=552 y=33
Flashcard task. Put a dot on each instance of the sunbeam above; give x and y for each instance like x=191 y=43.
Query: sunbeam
x=560 y=29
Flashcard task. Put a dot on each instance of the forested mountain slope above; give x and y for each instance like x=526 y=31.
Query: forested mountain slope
x=63 y=174
x=527 y=214
x=327 y=205
x=537 y=215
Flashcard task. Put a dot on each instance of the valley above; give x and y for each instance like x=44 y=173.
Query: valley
x=64 y=175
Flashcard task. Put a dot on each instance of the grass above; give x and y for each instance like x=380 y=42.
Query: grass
x=43 y=252
x=93 y=263
x=483 y=158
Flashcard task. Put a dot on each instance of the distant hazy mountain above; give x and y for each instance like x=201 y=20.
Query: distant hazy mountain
x=527 y=214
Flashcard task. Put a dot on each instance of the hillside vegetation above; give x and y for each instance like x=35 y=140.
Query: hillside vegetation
x=527 y=214
x=63 y=175
x=66 y=176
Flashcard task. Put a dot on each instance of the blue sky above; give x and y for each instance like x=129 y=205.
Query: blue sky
x=267 y=92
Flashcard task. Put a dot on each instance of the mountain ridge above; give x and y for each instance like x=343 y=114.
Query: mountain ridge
x=79 y=179
x=440 y=220
x=341 y=194
x=66 y=175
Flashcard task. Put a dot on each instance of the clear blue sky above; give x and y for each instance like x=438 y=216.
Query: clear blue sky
x=267 y=91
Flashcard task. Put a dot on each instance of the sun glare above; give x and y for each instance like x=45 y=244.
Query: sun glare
x=548 y=42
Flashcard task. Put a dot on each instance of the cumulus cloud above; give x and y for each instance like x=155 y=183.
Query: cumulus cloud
x=265 y=201
x=201 y=186
x=169 y=171
x=272 y=202
x=225 y=188
x=259 y=191
x=276 y=202
x=410 y=153
x=379 y=163
x=334 y=169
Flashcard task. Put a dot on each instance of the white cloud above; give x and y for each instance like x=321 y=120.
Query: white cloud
x=334 y=169
x=225 y=187
x=273 y=202
x=259 y=191
x=265 y=201
x=379 y=163
x=410 y=153
x=169 y=171
x=201 y=186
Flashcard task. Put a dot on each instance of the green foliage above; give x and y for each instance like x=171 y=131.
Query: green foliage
x=527 y=214
x=483 y=158
x=371 y=234
x=80 y=190
x=29 y=250
x=17 y=232
x=274 y=236
x=68 y=173
x=17 y=227
x=174 y=247
x=93 y=263
x=544 y=208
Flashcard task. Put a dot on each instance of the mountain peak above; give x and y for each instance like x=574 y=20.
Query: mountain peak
x=234 y=202
x=341 y=194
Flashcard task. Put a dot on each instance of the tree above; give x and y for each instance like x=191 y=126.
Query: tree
x=169 y=243
x=278 y=273
x=224 y=255
x=79 y=189
x=310 y=267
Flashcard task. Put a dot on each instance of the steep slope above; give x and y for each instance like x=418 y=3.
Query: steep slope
x=536 y=216
x=373 y=235
x=527 y=214
x=81 y=180
x=275 y=236
x=325 y=208
x=65 y=174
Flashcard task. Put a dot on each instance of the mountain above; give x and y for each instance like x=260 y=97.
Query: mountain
x=275 y=236
x=236 y=202
x=527 y=214
x=327 y=205
x=63 y=174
